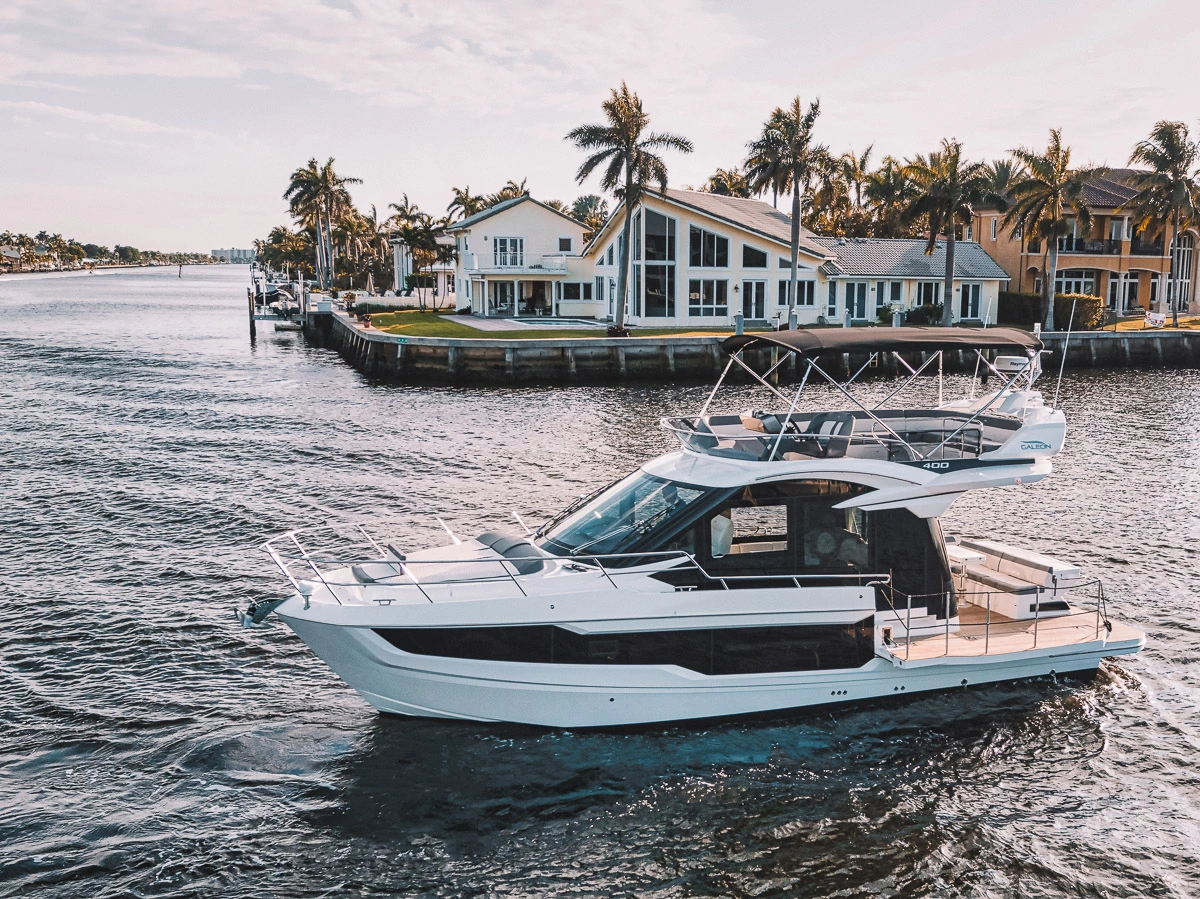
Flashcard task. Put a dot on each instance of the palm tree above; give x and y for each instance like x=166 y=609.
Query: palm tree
x=465 y=203
x=317 y=195
x=728 y=183
x=509 y=191
x=557 y=205
x=1044 y=200
x=947 y=188
x=627 y=151
x=1170 y=192
x=889 y=191
x=856 y=172
x=764 y=165
x=591 y=210
x=788 y=136
x=405 y=211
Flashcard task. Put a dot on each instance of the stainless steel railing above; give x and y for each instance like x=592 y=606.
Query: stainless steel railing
x=1087 y=603
x=609 y=565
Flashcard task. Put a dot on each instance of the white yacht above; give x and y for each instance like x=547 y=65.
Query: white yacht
x=777 y=560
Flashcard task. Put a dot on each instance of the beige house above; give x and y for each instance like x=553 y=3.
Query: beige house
x=1111 y=260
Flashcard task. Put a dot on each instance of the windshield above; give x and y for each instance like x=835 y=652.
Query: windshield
x=623 y=517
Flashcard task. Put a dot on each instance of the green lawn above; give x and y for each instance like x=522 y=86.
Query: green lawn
x=430 y=324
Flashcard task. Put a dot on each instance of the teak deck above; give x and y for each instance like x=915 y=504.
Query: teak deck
x=1006 y=635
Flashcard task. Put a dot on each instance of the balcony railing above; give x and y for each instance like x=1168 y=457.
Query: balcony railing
x=1146 y=247
x=1096 y=246
x=548 y=263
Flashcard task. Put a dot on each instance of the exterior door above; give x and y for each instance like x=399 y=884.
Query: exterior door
x=856 y=299
x=969 y=307
x=754 y=299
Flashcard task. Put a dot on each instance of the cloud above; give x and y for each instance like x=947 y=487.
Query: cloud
x=469 y=58
x=112 y=121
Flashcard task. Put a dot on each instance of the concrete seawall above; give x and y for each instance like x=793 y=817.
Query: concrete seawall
x=487 y=361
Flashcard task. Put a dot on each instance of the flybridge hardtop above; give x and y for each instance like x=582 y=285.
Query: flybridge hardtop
x=815 y=341
x=779 y=559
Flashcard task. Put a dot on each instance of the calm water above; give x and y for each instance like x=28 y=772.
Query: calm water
x=151 y=747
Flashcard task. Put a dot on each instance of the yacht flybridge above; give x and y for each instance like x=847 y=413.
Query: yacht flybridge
x=777 y=560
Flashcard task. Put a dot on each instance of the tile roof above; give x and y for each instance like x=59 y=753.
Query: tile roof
x=905 y=258
x=1111 y=189
x=753 y=215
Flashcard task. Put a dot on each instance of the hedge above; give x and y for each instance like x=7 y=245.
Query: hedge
x=1027 y=309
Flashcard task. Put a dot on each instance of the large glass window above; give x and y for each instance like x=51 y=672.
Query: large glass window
x=708 y=297
x=576 y=290
x=752 y=258
x=660 y=237
x=1076 y=280
x=806 y=292
x=707 y=250
x=637 y=236
x=929 y=293
x=625 y=517
x=660 y=290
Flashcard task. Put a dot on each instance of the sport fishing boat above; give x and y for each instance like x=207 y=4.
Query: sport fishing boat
x=776 y=560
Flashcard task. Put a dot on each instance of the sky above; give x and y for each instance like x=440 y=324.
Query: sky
x=175 y=125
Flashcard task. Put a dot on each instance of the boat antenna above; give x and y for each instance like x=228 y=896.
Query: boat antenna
x=1063 y=362
x=526 y=528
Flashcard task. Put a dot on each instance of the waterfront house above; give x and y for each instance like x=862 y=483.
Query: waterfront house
x=1111 y=260
x=870 y=278
x=522 y=257
x=698 y=259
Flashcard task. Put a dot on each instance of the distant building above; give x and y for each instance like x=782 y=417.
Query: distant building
x=234 y=255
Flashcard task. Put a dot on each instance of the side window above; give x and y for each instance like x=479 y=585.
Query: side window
x=833 y=539
x=747 y=535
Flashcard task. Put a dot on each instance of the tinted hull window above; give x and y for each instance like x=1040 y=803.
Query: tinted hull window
x=747 y=650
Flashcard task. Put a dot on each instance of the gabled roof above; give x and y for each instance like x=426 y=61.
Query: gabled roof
x=874 y=257
x=478 y=217
x=754 y=216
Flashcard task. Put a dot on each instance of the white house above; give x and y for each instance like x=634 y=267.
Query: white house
x=870 y=277
x=698 y=259
x=522 y=257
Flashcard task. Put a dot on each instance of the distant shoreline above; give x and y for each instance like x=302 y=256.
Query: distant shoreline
x=101 y=269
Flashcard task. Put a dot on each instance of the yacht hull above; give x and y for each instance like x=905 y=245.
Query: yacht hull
x=582 y=696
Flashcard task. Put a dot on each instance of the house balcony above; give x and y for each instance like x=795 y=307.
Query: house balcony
x=1093 y=246
x=1145 y=248
x=514 y=264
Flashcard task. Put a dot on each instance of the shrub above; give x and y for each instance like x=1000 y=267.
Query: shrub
x=373 y=308
x=924 y=315
x=1089 y=312
x=1027 y=309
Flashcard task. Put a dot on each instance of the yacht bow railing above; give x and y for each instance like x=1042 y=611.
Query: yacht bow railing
x=304 y=569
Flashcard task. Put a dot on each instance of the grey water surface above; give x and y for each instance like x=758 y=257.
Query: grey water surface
x=149 y=746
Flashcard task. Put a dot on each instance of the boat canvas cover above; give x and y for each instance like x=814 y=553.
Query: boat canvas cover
x=817 y=341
